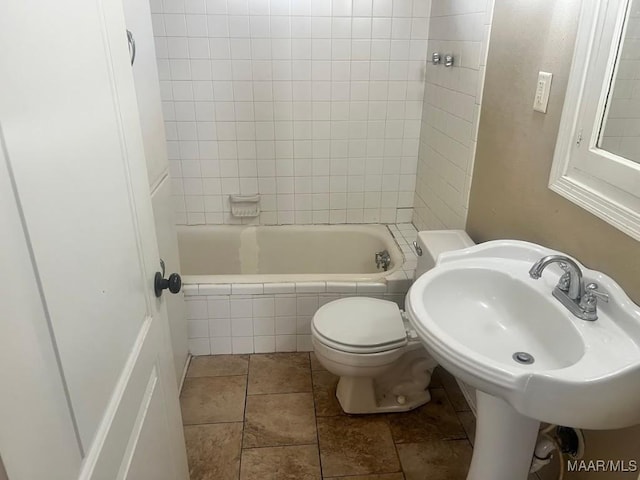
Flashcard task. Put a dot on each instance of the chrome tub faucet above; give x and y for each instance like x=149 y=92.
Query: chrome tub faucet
x=383 y=260
x=580 y=300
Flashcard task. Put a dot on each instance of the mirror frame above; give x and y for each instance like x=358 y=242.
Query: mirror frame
x=599 y=181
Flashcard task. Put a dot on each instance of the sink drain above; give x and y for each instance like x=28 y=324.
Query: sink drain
x=523 y=357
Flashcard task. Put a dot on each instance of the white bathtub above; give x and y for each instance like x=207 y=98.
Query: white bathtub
x=288 y=253
x=255 y=289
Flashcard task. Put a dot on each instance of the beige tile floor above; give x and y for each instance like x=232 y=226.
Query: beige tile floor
x=275 y=417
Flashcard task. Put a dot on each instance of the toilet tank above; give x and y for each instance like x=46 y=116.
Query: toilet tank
x=435 y=242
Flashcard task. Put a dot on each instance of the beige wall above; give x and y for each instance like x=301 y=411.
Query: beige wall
x=509 y=194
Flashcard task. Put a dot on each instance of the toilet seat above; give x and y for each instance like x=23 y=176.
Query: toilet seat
x=360 y=325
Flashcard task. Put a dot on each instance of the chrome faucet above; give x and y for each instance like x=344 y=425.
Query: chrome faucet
x=383 y=260
x=570 y=291
x=571 y=280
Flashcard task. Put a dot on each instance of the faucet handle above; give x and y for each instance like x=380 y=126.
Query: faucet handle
x=589 y=301
x=591 y=289
x=565 y=279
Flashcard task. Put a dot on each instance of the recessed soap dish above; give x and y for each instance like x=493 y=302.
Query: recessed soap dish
x=245 y=205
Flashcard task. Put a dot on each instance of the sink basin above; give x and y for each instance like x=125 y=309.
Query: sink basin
x=494 y=314
x=482 y=316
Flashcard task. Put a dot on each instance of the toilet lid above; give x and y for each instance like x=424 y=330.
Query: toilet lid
x=360 y=324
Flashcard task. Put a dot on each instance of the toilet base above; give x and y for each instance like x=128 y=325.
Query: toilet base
x=399 y=388
x=357 y=395
x=383 y=382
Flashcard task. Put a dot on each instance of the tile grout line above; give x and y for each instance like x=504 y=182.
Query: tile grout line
x=315 y=416
x=277 y=393
x=218 y=376
x=395 y=446
x=457 y=413
x=210 y=423
x=464 y=429
x=244 y=417
x=286 y=445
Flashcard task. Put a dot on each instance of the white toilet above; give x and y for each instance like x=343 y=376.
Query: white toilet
x=371 y=346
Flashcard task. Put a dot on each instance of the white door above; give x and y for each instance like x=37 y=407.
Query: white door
x=137 y=15
x=145 y=76
x=85 y=358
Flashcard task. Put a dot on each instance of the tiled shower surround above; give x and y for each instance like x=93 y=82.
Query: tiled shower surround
x=452 y=101
x=314 y=104
x=276 y=317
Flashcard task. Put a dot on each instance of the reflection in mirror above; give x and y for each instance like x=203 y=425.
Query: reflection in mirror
x=620 y=133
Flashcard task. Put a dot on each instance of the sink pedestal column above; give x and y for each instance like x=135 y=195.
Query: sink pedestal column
x=504 y=441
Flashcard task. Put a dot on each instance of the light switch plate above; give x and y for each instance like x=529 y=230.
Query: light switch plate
x=543 y=87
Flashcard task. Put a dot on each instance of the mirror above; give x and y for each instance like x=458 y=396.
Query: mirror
x=596 y=163
x=620 y=132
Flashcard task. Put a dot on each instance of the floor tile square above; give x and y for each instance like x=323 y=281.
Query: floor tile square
x=324 y=393
x=281 y=463
x=434 y=420
x=435 y=460
x=218 y=366
x=279 y=419
x=356 y=446
x=279 y=373
x=213 y=451
x=213 y=399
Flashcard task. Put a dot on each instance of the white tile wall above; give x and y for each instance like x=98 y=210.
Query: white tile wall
x=278 y=317
x=622 y=131
x=316 y=105
x=451 y=112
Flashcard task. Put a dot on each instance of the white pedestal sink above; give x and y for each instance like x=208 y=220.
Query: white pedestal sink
x=482 y=316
